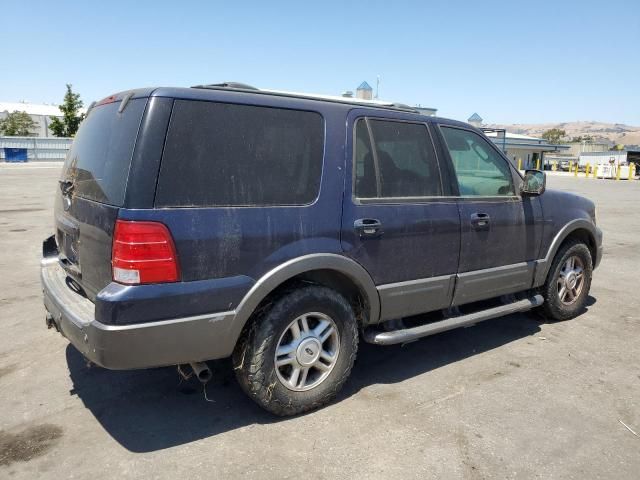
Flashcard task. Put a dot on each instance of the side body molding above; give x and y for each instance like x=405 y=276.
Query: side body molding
x=297 y=266
x=543 y=265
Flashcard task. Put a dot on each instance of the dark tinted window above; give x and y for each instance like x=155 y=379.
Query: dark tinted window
x=219 y=154
x=365 y=171
x=99 y=159
x=480 y=169
x=406 y=164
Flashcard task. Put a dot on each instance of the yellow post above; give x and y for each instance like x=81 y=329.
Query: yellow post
x=570 y=166
x=538 y=164
x=586 y=170
x=595 y=171
x=575 y=172
x=632 y=168
x=554 y=167
x=618 y=170
x=519 y=164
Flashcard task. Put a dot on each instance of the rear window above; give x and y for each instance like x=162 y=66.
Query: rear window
x=219 y=154
x=99 y=159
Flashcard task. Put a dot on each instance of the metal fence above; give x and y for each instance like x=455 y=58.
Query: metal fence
x=34 y=149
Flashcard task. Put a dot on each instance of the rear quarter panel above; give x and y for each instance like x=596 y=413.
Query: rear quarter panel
x=223 y=242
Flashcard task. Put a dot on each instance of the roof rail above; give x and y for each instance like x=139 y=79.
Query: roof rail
x=327 y=98
x=234 y=85
x=404 y=106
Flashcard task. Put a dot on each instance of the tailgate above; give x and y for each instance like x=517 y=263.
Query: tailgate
x=92 y=189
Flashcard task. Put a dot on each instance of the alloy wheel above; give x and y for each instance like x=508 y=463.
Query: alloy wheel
x=307 y=351
x=571 y=280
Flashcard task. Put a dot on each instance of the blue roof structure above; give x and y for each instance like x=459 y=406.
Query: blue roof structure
x=364 y=86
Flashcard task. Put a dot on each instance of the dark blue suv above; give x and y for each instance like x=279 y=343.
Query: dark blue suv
x=224 y=221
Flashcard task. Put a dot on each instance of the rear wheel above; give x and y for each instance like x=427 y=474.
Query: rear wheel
x=296 y=355
x=569 y=280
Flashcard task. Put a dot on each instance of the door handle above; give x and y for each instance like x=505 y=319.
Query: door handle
x=480 y=221
x=368 y=227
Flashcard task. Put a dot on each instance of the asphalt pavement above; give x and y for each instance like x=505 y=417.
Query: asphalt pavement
x=510 y=398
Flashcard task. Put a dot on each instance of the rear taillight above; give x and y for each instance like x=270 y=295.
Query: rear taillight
x=143 y=252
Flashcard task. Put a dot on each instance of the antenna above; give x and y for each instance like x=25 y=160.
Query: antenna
x=377 y=86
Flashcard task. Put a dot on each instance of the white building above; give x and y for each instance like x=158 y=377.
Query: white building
x=523 y=150
x=40 y=113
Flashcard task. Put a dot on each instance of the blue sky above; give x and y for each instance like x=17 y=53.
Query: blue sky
x=510 y=61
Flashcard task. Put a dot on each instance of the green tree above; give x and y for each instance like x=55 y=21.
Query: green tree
x=17 y=124
x=555 y=135
x=68 y=125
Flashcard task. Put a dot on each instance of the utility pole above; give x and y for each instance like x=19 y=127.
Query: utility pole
x=377 y=86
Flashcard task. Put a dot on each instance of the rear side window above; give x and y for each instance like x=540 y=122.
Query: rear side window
x=394 y=160
x=99 y=159
x=219 y=154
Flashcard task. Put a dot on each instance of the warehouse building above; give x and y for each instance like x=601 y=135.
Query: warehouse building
x=523 y=150
x=40 y=113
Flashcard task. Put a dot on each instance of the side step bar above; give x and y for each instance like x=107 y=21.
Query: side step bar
x=410 y=334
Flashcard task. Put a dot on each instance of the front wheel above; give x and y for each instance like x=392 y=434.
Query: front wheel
x=296 y=355
x=567 y=287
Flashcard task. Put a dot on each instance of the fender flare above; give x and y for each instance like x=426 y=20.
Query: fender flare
x=296 y=266
x=543 y=266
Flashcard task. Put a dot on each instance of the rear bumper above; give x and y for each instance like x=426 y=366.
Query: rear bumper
x=151 y=344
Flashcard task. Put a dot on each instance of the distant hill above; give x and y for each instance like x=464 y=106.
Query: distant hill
x=611 y=132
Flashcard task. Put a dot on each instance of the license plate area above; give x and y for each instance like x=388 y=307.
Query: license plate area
x=69 y=246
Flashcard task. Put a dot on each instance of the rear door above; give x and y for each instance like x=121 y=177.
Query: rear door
x=397 y=220
x=501 y=231
x=92 y=189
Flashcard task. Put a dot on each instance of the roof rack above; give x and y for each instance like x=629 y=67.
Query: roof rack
x=234 y=85
x=403 y=106
x=327 y=98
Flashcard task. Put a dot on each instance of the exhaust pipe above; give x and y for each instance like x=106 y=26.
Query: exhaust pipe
x=202 y=371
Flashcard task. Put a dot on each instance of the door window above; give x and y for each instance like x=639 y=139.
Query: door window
x=480 y=170
x=394 y=160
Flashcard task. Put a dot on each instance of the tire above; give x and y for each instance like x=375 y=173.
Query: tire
x=328 y=362
x=571 y=304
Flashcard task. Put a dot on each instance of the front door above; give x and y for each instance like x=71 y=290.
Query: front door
x=397 y=222
x=500 y=230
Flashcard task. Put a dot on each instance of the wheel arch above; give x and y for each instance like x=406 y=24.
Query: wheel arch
x=332 y=270
x=579 y=229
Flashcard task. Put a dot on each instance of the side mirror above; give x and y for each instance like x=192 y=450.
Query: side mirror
x=534 y=183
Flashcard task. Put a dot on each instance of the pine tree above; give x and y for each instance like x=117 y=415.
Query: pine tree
x=68 y=125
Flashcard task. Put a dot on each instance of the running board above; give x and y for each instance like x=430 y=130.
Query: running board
x=410 y=334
